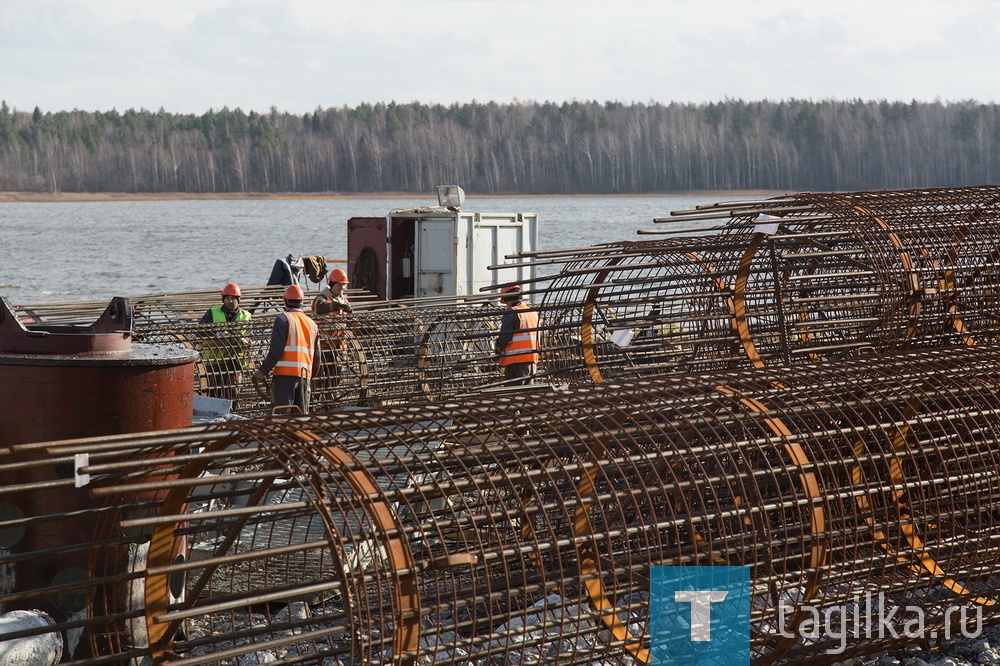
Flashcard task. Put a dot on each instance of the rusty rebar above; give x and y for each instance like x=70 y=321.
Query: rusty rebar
x=800 y=278
x=809 y=277
x=368 y=358
x=515 y=525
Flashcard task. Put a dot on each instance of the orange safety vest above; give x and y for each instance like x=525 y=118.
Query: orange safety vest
x=333 y=337
x=298 y=354
x=523 y=347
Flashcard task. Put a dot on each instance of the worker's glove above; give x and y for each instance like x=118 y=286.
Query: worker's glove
x=258 y=376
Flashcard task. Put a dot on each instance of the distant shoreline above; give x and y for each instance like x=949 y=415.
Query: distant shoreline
x=47 y=197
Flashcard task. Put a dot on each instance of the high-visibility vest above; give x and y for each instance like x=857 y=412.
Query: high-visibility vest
x=297 y=358
x=218 y=316
x=333 y=331
x=225 y=348
x=523 y=347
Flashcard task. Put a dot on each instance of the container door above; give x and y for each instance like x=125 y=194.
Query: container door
x=436 y=254
x=496 y=236
x=366 y=254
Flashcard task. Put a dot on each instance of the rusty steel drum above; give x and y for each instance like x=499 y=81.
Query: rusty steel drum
x=66 y=396
x=64 y=382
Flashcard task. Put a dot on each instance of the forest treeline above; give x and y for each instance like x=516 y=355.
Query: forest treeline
x=517 y=148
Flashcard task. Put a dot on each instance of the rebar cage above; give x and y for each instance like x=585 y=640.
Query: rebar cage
x=523 y=526
x=367 y=358
x=801 y=278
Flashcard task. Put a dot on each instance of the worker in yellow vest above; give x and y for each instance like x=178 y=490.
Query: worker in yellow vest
x=517 y=344
x=225 y=349
x=293 y=355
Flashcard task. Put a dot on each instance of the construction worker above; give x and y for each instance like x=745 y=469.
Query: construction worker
x=293 y=354
x=224 y=353
x=333 y=298
x=517 y=343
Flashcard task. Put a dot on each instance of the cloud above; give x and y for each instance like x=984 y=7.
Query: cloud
x=192 y=55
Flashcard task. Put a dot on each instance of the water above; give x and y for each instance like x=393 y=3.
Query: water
x=72 y=251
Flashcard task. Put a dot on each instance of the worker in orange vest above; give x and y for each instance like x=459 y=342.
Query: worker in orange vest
x=517 y=344
x=333 y=298
x=293 y=355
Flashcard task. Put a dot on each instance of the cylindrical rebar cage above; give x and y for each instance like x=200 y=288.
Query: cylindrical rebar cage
x=524 y=525
x=800 y=278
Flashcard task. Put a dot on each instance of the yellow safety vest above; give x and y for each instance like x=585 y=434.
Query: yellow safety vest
x=225 y=348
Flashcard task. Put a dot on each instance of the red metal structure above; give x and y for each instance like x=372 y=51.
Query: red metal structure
x=63 y=382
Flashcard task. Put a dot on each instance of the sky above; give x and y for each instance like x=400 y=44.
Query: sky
x=189 y=56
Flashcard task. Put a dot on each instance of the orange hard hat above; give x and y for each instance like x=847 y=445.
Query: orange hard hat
x=511 y=291
x=338 y=275
x=293 y=292
x=232 y=289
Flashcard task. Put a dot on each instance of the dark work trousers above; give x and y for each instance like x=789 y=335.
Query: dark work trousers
x=287 y=390
x=518 y=373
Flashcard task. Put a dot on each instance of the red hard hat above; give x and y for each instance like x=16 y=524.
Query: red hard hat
x=513 y=290
x=232 y=289
x=338 y=275
x=293 y=292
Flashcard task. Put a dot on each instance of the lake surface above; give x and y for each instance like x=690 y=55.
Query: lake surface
x=72 y=251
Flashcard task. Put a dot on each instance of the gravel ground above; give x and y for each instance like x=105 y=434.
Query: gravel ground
x=984 y=649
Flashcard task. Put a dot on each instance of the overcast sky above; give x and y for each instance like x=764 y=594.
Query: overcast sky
x=188 y=56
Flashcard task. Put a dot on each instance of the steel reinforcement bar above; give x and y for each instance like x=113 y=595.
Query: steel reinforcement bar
x=806 y=278
x=514 y=527
x=803 y=278
x=368 y=358
x=183 y=307
x=800 y=278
